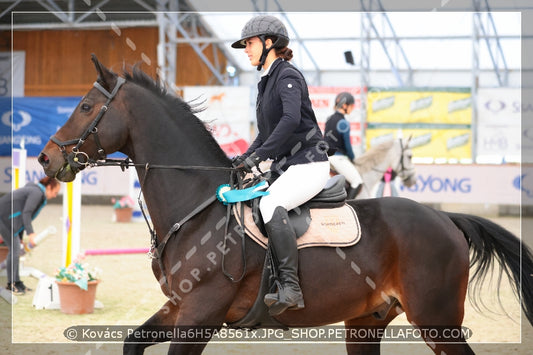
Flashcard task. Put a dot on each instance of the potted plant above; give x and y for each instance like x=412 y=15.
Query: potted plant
x=76 y=285
x=123 y=208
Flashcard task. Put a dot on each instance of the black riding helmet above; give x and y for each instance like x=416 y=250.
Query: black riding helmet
x=344 y=98
x=263 y=26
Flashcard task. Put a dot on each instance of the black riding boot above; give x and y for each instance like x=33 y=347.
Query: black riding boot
x=282 y=240
x=353 y=192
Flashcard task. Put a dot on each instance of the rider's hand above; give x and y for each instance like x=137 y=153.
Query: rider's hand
x=237 y=160
x=252 y=161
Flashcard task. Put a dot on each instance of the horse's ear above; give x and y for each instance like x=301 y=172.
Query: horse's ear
x=105 y=76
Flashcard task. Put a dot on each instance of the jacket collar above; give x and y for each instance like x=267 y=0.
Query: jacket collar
x=272 y=66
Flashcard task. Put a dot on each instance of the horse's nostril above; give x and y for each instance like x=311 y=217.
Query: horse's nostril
x=43 y=159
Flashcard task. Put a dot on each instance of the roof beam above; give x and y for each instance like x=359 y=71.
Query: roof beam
x=367 y=7
x=317 y=79
x=496 y=54
x=9 y=8
x=93 y=9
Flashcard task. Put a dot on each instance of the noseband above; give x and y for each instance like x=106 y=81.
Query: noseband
x=79 y=160
x=401 y=163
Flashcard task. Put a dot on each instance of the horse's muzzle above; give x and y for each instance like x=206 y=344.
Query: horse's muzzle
x=44 y=160
x=65 y=172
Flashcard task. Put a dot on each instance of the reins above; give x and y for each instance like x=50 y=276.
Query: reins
x=79 y=160
x=126 y=163
x=157 y=248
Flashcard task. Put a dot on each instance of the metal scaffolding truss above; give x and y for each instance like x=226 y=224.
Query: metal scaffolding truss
x=173 y=21
x=176 y=20
x=373 y=11
x=484 y=28
x=178 y=23
x=316 y=80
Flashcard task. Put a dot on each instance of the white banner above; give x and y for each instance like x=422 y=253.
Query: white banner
x=487 y=184
x=527 y=125
x=19 y=62
x=499 y=121
x=323 y=101
x=94 y=181
x=227 y=112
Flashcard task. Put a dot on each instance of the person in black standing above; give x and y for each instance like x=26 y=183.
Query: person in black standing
x=288 y=134
x=337 y=133
x=17 y=210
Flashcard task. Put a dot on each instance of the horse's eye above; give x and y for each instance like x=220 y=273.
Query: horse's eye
x=85 y=107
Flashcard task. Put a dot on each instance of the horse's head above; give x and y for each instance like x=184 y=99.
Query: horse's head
x=92 y=131
x=406 y=168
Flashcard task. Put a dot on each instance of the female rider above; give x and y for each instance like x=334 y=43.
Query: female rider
x=288 y=134
x=337 y=133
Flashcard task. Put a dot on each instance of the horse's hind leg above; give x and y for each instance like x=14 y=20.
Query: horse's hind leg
x=363 y=335
x=436 y=305
x=163 y=319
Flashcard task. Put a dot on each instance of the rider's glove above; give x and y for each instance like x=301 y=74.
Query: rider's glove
x=249 y=163
x=237 y=160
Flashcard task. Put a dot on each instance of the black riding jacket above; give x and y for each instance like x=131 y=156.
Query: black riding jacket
x=288 y=130
x=337 y=135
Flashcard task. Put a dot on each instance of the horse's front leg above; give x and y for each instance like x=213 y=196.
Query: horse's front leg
x=148 y=334
x=192 y=333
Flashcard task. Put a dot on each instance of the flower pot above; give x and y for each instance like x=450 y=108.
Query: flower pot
x=3 y=253
x=123 y=214
x=74 y=300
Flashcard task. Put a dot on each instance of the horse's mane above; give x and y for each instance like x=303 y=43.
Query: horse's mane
x=373 y=156
x=136 y=75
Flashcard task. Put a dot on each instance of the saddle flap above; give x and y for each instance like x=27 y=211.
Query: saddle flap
x=333 y=227
x=300 y=218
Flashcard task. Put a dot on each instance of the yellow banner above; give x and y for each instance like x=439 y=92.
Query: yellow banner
x=419 y=106
x=438 y=119
x=433 y=143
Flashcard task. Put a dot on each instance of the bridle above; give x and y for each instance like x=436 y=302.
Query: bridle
x=400 y=168
x=401 y=163
x=79 y=160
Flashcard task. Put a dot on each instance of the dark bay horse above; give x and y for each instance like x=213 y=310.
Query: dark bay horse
x=408 y=252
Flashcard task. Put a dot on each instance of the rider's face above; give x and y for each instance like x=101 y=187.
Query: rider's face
x=254 y=49
x=348 y=108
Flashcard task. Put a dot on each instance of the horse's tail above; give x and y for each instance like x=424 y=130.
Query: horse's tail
x=489 y=241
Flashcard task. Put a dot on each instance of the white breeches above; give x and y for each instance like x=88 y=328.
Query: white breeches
x=343 y=166
x=294 y=187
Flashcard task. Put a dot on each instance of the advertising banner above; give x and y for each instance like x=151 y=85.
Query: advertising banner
x=323 y=102
x=12 y=73
x=490 y=184
x=464 y=184
x=499 y=121
x=439 y=144
x=227 y=112
x=432 y=105
x=438 y=118
x=526 y=109
x=34 y=120
x=94 y=181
